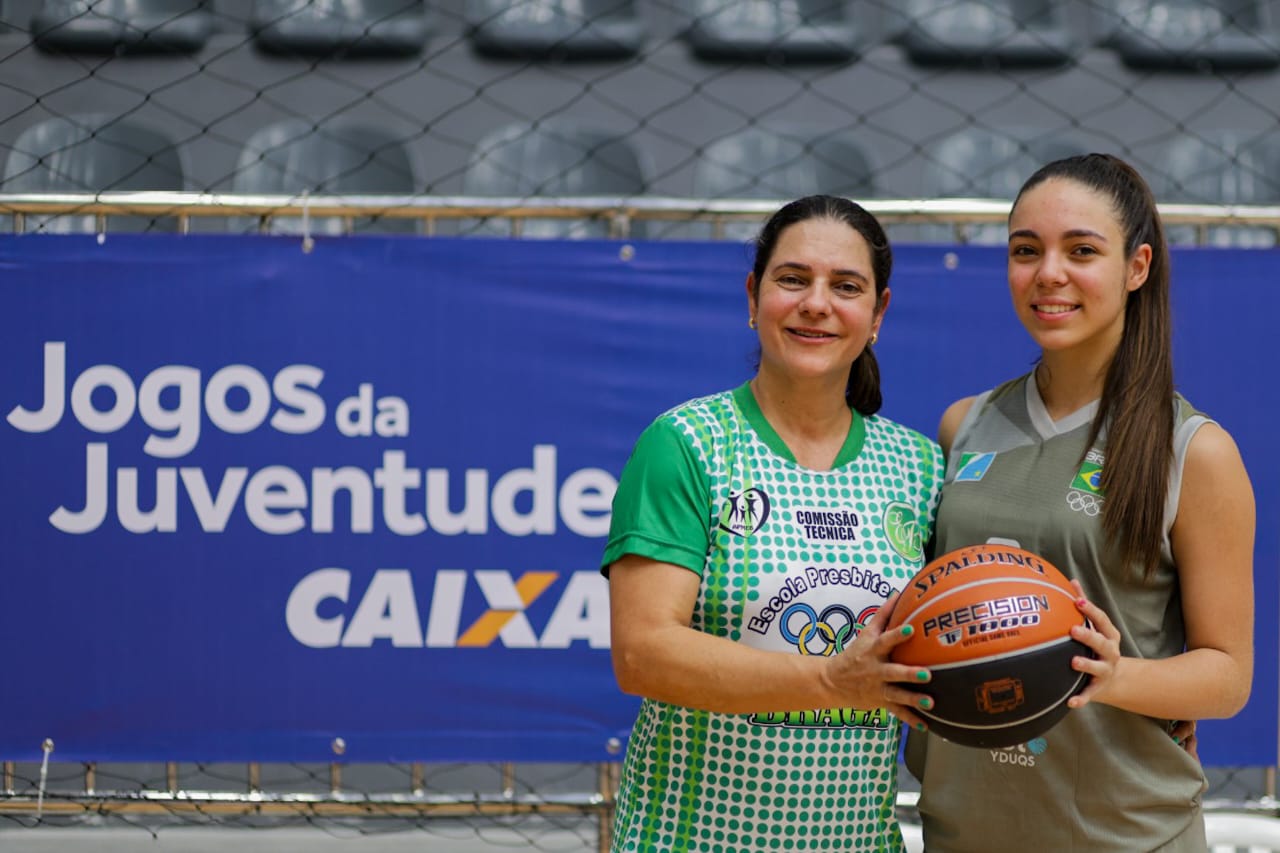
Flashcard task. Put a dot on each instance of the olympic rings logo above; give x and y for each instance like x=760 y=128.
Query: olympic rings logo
x=1083 y=502
x=833 y=633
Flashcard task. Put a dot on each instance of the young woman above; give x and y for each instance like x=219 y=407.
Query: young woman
x=1093 y=461
x=759 y=538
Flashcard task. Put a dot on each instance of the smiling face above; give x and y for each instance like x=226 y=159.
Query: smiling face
x=1068 y=273
x=815 y=304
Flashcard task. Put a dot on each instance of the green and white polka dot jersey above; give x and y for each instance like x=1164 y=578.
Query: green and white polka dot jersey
x=792 y=560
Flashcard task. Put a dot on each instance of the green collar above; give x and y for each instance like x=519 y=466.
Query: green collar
x=746 y=402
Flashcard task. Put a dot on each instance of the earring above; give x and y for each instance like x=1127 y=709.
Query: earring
x=875 y=336
x=751 y=322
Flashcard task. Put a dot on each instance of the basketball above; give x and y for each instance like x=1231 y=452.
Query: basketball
x=992 y=623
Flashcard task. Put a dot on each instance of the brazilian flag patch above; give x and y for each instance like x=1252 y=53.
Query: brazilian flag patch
x=1088 y=478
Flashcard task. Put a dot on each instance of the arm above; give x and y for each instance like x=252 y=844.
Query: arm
x=950 y=423
x=657 y=654
x=1213 y=548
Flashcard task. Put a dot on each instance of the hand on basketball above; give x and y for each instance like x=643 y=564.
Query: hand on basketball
x=1104 y=640
x=864 y=674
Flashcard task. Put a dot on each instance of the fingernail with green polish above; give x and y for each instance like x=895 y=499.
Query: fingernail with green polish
x=926 y=703
x=907 y=630
x=922 y=675
x=919 y=727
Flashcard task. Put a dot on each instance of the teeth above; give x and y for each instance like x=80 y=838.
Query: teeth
x=1055 y=309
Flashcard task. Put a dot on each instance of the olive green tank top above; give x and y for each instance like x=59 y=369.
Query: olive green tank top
x=1102 y=779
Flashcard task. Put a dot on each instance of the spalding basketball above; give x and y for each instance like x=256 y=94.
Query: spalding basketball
x=992 y=624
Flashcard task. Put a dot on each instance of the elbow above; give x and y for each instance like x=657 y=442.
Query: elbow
x=627 y=671
x=1239 y=697
x=1237 y=692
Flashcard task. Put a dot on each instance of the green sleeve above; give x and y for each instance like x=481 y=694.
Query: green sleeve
x=660 y=509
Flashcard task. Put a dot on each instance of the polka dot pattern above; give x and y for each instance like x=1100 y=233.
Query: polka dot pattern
x=808 y=780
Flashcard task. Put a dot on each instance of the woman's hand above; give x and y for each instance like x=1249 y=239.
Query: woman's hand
x=864 y=673
x=1103 y=639
x=1184 y=735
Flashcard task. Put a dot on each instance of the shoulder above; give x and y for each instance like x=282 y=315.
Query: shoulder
x=906 y=442
x=951 y=420
x=891 y=430
x=955 y=415
x=1212 y=447
x=1214 y=477
x=700 y=412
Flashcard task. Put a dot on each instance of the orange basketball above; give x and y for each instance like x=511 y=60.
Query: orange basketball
x=993 y=625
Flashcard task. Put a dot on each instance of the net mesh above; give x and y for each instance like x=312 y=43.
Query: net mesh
x=660 y=105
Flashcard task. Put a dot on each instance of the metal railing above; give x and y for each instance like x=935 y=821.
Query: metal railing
x=619 y=212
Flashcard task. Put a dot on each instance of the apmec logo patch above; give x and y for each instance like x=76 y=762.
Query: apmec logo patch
x=745 y=512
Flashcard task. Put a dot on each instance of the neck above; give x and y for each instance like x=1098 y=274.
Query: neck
x=1069 y=382
x=812 y=418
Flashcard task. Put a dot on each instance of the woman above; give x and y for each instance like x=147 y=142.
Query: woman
x=1094 y=462
x=758 y=541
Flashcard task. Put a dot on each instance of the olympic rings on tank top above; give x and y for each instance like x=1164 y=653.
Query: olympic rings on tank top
x=1083 y=502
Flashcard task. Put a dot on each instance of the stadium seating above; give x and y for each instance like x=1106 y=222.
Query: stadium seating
x=560 y=157
x=779 y=163
x=1192 y=34
x=766 y=30
x=92 y=153
x=122 y=26
x=1222 y=167
x=294 y=158
x=348 y=28
x=564 y=29
x=981 y=163
x=985 y=32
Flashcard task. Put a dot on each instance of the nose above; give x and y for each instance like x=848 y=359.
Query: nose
x=1053 y=270
x=817 y=299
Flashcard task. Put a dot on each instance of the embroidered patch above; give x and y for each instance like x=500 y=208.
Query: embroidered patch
x=973 y=466
x=745 y=512
x=1088 y=478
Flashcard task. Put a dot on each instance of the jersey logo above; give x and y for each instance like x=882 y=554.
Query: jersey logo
x=902 y=531
x=1085 y=492
x=974 y=466
x=824 y=634
x=745 y=512
x=1088 y=478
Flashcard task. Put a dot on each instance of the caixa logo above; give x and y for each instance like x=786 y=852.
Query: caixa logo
x=466 y=609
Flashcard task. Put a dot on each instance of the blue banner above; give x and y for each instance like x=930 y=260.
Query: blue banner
x=257 y=499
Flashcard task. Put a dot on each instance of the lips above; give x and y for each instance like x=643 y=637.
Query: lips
x=810 y=334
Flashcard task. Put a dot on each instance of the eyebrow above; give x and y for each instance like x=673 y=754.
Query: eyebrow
x=1074 y=232
x=806 y=268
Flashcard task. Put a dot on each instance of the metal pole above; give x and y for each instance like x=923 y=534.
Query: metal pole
x=607 y=775
x=508 y=779
x=417 y=778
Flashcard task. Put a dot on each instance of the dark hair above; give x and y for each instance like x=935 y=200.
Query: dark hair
x=863 y=390
x=1137 y=394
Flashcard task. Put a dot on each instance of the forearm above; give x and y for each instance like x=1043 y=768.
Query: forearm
x=684 y=666
x=1199 y=684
